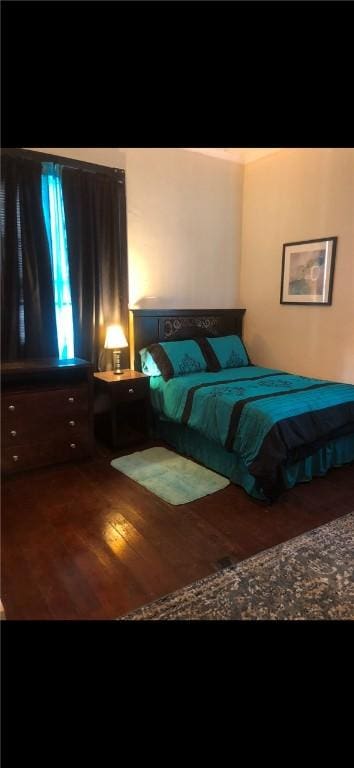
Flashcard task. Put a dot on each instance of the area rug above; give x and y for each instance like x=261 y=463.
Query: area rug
x=309 y=577
x=170 y=476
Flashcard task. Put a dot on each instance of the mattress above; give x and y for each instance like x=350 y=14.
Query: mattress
x=268 y=428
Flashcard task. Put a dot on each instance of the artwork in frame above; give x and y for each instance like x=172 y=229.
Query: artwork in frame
x=307 y=271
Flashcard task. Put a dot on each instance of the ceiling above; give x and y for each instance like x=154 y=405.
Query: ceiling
x=236 y=155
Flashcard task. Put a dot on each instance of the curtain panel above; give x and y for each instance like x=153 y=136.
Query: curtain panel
x=28 y=326
x=95 y=214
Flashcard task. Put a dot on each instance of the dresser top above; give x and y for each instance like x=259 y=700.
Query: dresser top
x=42 y=365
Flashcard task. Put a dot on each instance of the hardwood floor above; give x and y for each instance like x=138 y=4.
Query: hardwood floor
x=83 y=541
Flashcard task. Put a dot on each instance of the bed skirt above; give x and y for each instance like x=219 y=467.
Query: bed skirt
x=189 y=442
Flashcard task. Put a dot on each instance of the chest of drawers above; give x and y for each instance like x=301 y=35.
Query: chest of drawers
x=46 y=413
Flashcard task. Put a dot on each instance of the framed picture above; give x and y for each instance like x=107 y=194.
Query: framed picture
x=307 y=271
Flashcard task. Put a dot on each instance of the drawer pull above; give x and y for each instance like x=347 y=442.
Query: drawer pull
x=71 y=399
x=72 y=445
x=72 y=423
x=15 y=458
x=131 y=391
x=13 y=433
x=11 y=407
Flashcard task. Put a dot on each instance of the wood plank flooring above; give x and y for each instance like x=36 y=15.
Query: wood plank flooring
x=83 y=541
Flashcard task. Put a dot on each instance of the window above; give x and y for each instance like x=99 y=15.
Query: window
x=54 y=215
x=64 y=274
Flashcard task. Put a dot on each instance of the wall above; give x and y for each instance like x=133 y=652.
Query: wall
x=184 y=238
x=292 y=196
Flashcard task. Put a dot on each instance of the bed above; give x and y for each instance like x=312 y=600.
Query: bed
x=265 y=429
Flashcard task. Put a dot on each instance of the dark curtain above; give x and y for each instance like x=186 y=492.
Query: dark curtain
x=95 y=216
x=28 y=326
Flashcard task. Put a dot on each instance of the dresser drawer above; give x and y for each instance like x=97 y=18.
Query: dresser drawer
x=31 y=410
x=45 y=399
x=127 y=391
x=23 y=457
x=34 y=430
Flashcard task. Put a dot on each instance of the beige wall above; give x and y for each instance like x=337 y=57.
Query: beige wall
x=184 y=224
x=292 y=196
x=184 y=236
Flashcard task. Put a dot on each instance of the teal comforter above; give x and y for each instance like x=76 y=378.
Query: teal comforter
x=270 y=418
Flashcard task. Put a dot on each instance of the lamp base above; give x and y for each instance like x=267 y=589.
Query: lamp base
x=116 y=362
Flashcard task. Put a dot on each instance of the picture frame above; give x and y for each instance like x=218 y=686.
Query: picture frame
x=308 y=271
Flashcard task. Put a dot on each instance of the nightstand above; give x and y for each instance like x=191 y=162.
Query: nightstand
x=122 y=408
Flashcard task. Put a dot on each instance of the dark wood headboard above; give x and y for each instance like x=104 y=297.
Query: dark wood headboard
x=148 y=326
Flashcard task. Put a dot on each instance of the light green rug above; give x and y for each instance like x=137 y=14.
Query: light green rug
x=170 y=476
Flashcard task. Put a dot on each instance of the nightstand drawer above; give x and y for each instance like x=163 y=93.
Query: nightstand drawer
x=127 y=391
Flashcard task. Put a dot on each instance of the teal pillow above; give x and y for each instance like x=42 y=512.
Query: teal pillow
x=229 y=351
x=148 y=365
x=176 y=358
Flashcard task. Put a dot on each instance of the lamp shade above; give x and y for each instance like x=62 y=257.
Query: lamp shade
x=115 y=338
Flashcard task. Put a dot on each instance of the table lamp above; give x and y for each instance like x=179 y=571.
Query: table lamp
x=115 y=340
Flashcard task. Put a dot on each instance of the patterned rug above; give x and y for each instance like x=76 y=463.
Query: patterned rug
x=309 y=577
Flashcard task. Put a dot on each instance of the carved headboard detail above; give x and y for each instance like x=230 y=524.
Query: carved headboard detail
x=148 y=326
x=173 y=328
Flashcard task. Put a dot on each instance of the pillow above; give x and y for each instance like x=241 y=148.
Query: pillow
x=175 y=358
x=229 y=351
x=148 y=365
